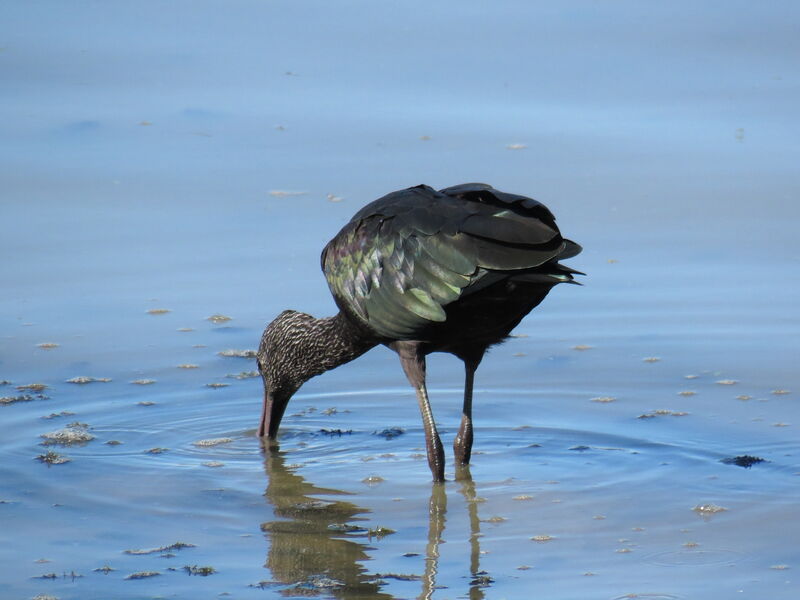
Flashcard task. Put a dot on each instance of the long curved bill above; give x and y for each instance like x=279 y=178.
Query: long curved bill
x=271 y=413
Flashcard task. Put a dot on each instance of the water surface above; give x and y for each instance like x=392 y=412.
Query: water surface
x=162 y=164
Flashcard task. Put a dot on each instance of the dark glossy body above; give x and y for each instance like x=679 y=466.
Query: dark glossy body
x=421 y=271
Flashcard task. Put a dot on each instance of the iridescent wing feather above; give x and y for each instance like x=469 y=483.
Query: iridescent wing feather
x=405 y=257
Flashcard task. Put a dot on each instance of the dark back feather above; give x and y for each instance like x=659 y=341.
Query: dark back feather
x=405 y=258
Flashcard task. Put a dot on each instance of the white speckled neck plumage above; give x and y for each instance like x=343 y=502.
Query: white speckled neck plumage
x=295 y=347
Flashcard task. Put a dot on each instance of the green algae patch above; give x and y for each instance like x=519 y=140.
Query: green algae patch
x=745 y=460
x=83 y=380
x=33 y=387
x=9 y=400
x=74 y=434
x=379 y=532
x=201 y=571
x=217 y=318
x=104 y=569
x=238 y=353
x=143 y=575
x=53 y=458
x=243 y=375
x=160 y=549
x=212 y=442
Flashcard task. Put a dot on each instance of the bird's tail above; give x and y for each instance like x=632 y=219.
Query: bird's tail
x=552 y=271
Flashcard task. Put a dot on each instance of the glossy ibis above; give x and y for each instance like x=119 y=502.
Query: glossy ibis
x=421 y=271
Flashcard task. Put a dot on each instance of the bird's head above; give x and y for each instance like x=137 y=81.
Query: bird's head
x=286 y=361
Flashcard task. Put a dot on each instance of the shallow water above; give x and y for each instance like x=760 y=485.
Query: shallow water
x=196 y=160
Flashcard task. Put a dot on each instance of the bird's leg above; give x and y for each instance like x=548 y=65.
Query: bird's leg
x=462 y=445
x=413 y=361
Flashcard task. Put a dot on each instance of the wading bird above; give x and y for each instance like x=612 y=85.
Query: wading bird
x=421 y=271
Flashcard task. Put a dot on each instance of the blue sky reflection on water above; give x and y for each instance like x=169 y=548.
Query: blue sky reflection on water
x=196 y=156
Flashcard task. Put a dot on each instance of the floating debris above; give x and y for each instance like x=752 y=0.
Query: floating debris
x=651 y=359
x=143 y=381
x=188 y=366
x=373 y=480
x=285 y=193
x=623 y=550
x=494 y=519
x=582 y=347
x=104 y=569
x=691 y=376
x=72 y=434
x=687 y=393
x=82 y=380
x=53 y=458
x=745 y=461
x=175 y=546
x=481 y=579
x=780 y=567
x=744 y=397
x=519 y=354
x=542 y=538
x=48 y=345
x=143 y=574
x=244 y=375
x=329 y=411
x=212 y=442
x=781 y=392
x=218 y=318
x=146 y=403
x=158 y=311
x=663 y=412
x=727 y=382
x=379 y=532
x=337 y=432
x=113 y=443
x=185 y=329
x=604 y=399
x=156 y=450
x=781 y=424
x=397 y=576
x=217 y=385
x=522 y=497
x=8 y=400
x=238 y=353
x=44 y=597
x=202 y=571
x=390 y=433
x=580 y=448
x=516 y=146
x=32 y=387
x=334 y=198
x=708 y=509
x=213 y=464
x=348 y=528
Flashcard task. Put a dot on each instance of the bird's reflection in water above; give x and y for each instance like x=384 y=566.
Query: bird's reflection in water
x=311 y=547
x=478 y=579
x=318 y=549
